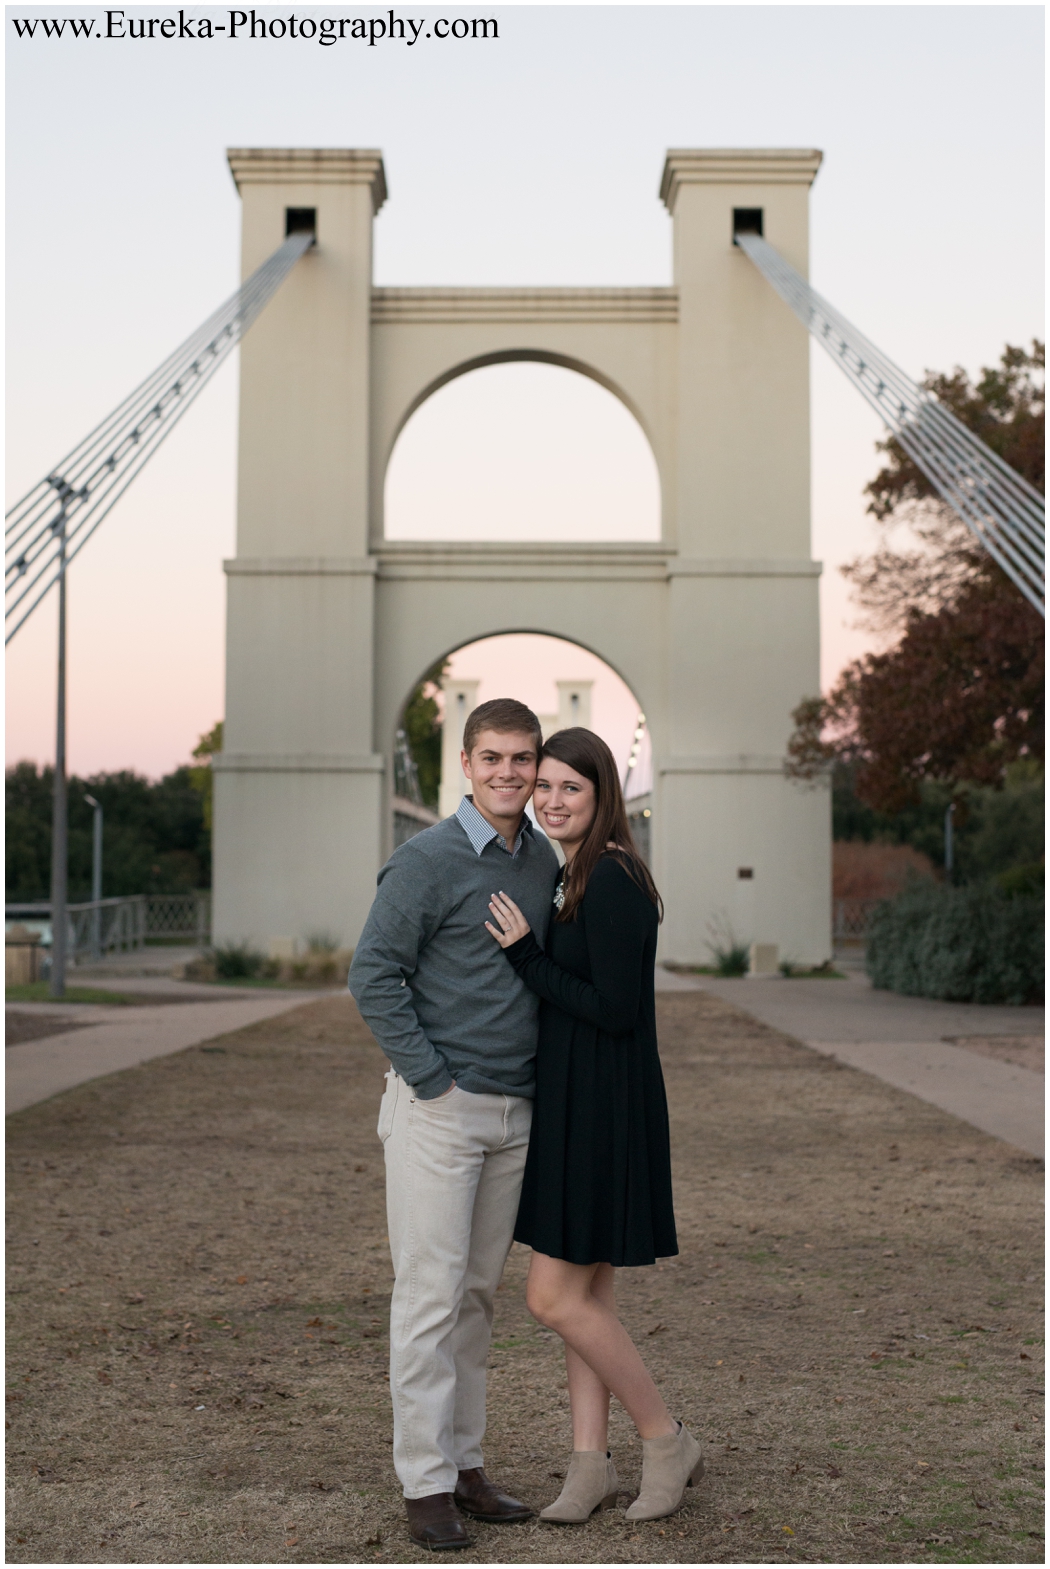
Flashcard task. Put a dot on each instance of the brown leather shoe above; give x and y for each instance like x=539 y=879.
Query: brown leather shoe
x=435 y=1522
x=479 y=1497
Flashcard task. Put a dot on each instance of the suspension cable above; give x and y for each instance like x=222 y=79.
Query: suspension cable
x=68 y=504
x=1000 y=508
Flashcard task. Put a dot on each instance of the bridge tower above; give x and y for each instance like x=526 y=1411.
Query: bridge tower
x=714 y=627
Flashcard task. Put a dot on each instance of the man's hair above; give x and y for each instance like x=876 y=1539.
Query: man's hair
x=506 y=716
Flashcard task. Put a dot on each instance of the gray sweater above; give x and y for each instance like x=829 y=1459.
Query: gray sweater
x=431 y=983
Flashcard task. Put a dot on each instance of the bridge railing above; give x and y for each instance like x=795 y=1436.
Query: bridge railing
x=124 y=925
x=851 y=918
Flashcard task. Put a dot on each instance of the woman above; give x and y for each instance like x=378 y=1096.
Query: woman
x=597 y=1188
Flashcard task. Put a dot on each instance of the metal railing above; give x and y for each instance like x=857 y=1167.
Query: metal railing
x=852 y=917
x=179 y=915
x=410 y=818
x=125 y=925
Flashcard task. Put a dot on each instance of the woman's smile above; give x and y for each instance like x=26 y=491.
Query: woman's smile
x=564 y=803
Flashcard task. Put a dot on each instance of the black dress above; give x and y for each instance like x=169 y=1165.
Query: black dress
x=597 y=1185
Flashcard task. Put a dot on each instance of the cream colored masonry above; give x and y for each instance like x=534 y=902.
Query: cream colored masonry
x=714 y=628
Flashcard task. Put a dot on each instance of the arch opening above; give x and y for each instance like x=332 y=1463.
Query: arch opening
x=522 y=450
x=562 y=682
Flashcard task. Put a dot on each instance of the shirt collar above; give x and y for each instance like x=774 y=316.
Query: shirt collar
x=480 y=831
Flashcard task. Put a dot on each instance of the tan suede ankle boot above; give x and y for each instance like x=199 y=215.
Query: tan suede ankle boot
x=669 y=1466
x=591 y=1483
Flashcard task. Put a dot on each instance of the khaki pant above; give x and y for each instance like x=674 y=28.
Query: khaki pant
x=453 y=1176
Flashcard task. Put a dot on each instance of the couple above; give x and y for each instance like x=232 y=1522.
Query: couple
x=510 y=997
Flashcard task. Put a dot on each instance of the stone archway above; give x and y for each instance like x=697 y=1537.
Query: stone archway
x=522 y=449
x=329 y=623
x=563 y=682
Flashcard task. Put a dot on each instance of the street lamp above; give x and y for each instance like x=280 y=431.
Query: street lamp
x=96 y=878
x=949 y=841
x=59 y=820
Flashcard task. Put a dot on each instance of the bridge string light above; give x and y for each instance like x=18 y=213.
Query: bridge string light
x=1003 y=512
x=53 y=522
x=636 y=746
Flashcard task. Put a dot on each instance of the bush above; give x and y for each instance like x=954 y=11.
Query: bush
x=1023 y=879
x=974 y=944
x=731 y=955
x=235 y=961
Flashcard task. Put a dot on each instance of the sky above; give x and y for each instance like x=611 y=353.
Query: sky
x=531 y=159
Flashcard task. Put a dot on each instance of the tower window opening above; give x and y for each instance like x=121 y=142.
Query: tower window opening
x=300 y=220
x=747 y=220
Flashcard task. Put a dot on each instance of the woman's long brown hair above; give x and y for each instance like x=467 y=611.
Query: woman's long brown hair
x=587 y=754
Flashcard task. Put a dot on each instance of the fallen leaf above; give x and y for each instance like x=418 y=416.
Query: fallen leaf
x=833 y=1470
x=656 y=1329
x=787 y=1530
x=1024 y=1356
x=242 y=1280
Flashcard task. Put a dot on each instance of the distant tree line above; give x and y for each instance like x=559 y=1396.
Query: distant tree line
x=157 y=834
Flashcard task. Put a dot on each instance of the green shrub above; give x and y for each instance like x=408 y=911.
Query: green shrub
x=1023 y=879
x=731 y=955
x=235 y=961
x=973 y=944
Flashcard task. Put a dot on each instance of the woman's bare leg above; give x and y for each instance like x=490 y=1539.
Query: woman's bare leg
x=560 y=1296
x=588 y=1396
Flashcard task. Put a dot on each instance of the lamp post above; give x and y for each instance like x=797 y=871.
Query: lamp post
x=96 y=877
x=59 y=819
x=949 y=841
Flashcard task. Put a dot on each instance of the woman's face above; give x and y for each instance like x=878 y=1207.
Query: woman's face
x=565 y=803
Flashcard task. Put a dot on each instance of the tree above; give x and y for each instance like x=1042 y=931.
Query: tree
x=421 y=723
x=958 y=698
x=202 y=777
x=1006 y=409
x=155 y=836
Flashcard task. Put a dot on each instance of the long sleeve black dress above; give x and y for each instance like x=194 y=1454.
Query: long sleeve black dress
x=597 y=1185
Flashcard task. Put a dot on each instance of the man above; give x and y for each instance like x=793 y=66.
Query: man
x=460 y=1030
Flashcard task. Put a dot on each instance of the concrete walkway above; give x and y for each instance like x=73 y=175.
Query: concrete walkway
x=109 y=1039
x=914 y=1043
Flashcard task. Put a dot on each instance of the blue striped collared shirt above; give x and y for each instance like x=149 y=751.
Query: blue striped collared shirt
x=480 y=831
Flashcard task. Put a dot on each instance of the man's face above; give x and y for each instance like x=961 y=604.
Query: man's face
x=502 y=772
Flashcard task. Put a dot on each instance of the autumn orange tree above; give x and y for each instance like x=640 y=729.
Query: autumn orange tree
x=958 y=695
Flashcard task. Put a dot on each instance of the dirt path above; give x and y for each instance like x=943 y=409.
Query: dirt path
x=198 y=1287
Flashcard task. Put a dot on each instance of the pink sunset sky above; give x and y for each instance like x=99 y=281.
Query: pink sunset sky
x=926 y=232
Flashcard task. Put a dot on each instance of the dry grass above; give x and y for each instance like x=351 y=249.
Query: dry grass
x=199 y=1283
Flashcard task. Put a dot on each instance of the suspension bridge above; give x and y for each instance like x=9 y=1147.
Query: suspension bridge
x=49 y=527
